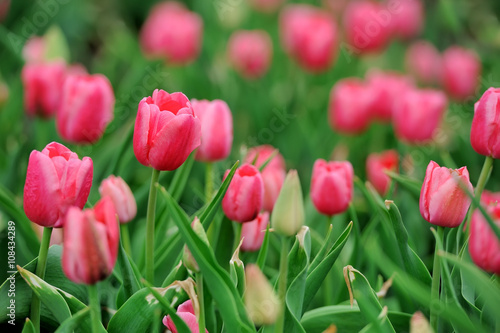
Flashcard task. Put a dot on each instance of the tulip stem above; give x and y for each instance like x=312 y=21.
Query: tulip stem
x=150 y=228
x=328 y=279
x=40 y=272
x=125 y=238
x=199 y=288
x=95 y=308
x=209 y=181
x=280 y=322
x=237 y=234
x=436 y=276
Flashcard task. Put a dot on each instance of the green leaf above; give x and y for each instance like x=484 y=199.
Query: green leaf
x=129 y=279
x=412 y=185
x=74 y=323
x=56 y=44
x=261 y=259
x=28 y=327
x=180 y=178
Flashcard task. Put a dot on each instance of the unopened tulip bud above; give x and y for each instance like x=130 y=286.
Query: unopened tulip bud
x=484 y=246
x=419 y=324
x=187 y=256
x=253 y=232
x=484 y=134
x=262 y=304
x=377 y=164
x=122 y=196
x=288 y=213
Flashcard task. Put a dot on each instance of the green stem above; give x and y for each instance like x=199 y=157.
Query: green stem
x=40 y=271
x=150 y=228
x=209 y=181
x=95 y=308
x=436 y=276
x=199 y=287
x=125 y=238
x=328 y=278
x=280 y=322
x=237 y=234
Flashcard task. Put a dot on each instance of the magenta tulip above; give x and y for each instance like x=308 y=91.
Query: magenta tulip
x=424 y=62
x=377 y=164
x=253 y=232
x=461 y=72
x=484 y=246
x=408 y=18
x=186 y=312
x=122 y=197
x=250 y=52
x=484 y=134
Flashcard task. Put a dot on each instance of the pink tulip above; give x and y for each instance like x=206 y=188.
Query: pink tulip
x=424 y=62
x=43 y=82
x=488 y=198
x=216 y=130
x=377 y=164
x=331 y=186
x=442 y=201
x=34 y=50
x=349 y=108
x=386 y=88
x=273 y=174
x=166 y=130
x=172 y=32
x=309 y=35
x=484 y=246
x=186 y=312
x=408 y=19
x=86 y=108
x=484 y=134
x=250 y=52
x=253 y=232
x=417 y=115
x=122 y=197
x=367 y=25
x=91 y=238
x=266 y=6
x=244 y=197
x=56 y=179
x=461 y=72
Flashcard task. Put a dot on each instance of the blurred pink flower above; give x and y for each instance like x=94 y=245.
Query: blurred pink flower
x=461 y=72
x=250 y=52
x=424 y=62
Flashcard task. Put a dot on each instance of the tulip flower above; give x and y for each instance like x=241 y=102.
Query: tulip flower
x=243 y=199
x=253 y=232
x=331 y=186
x=489 y=198
x=86 y=108
x=417 y=115
x=273 y=174
x=56 y=179
x=408 y=19
x=484 y=246
x=377 y=164
x=261 y=302
x=266 y=6
x=461 y=72
x=484 y=133
x=349 y=108
x=122 y=197
x=443 y=202
x=424 y=62
x=419 y=324
x=309 y=35
x=90 y=245
x=288 y=213
x=186 y=312
x=250 y=52
x=43 y=82
x=166 y=130
x=216 y=130
x=172 y=32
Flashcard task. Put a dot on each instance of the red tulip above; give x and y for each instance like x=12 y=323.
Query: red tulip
x=172 y=32
x=122 y=197
x=461 y=72
x=484 y=134
x=309 y=35
x=243 y=199
x=216 y=129
x=408 y=18
x=90 y=243
x=417 y=115
x=377 y=164
x=186 y=312
x=424 y=62
x=166 y=130
x=331 y=186
x=442 y=201
x=86 y=108
x=349 y=108
x=266 y=6
x=250 y=52
x=484 y=246
x=253 y=232
x=56 y=179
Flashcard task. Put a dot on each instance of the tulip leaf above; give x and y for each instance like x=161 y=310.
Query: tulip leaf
x=28 y=327
x=72 y=324
x=317 y=274
x=261 y=259
x=180 y=178
x=412 y=185
x=129 y=278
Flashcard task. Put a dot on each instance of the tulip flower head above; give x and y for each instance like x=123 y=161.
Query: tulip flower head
x=484 y=246
x=186 y=312
x=122 y=197
x=288 y=213
x=250 y=52
x=408 y=19
x=484 y=134
x=377 y=164
x=261 y=302
x=253 y=232
x=424 y=62
x=461 y=72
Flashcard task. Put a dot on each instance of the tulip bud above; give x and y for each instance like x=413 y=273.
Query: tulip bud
x=172 y=32
x=186 y=312
x=331 y=186
x=250 y=52
x=266 y=6
x=253 y=232
x=288 y=214
x=216 y=130
x=349 y=108
x=419 y=324
x=442 y=200
x=461 y=72
x=377 y=164
x=91 y=240
x=484 y=246
x=86 y=108
x=417 y=115
x=187 y=256
x=424 y=62
x=408 y=20
x=243 y=199
x=56 y=179
x=166 y=130
x=122 y=197
x=483 y=135
x=262 y=304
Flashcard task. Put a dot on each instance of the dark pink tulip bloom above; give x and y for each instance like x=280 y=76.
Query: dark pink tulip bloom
x=253 y=232
x=377 y=164
x=186 y=312
x=461 y=72
x=250 y=52
x=408 y=19
x=424 y=62
x=485 y=131
x=122 y=197
x=484 y=246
